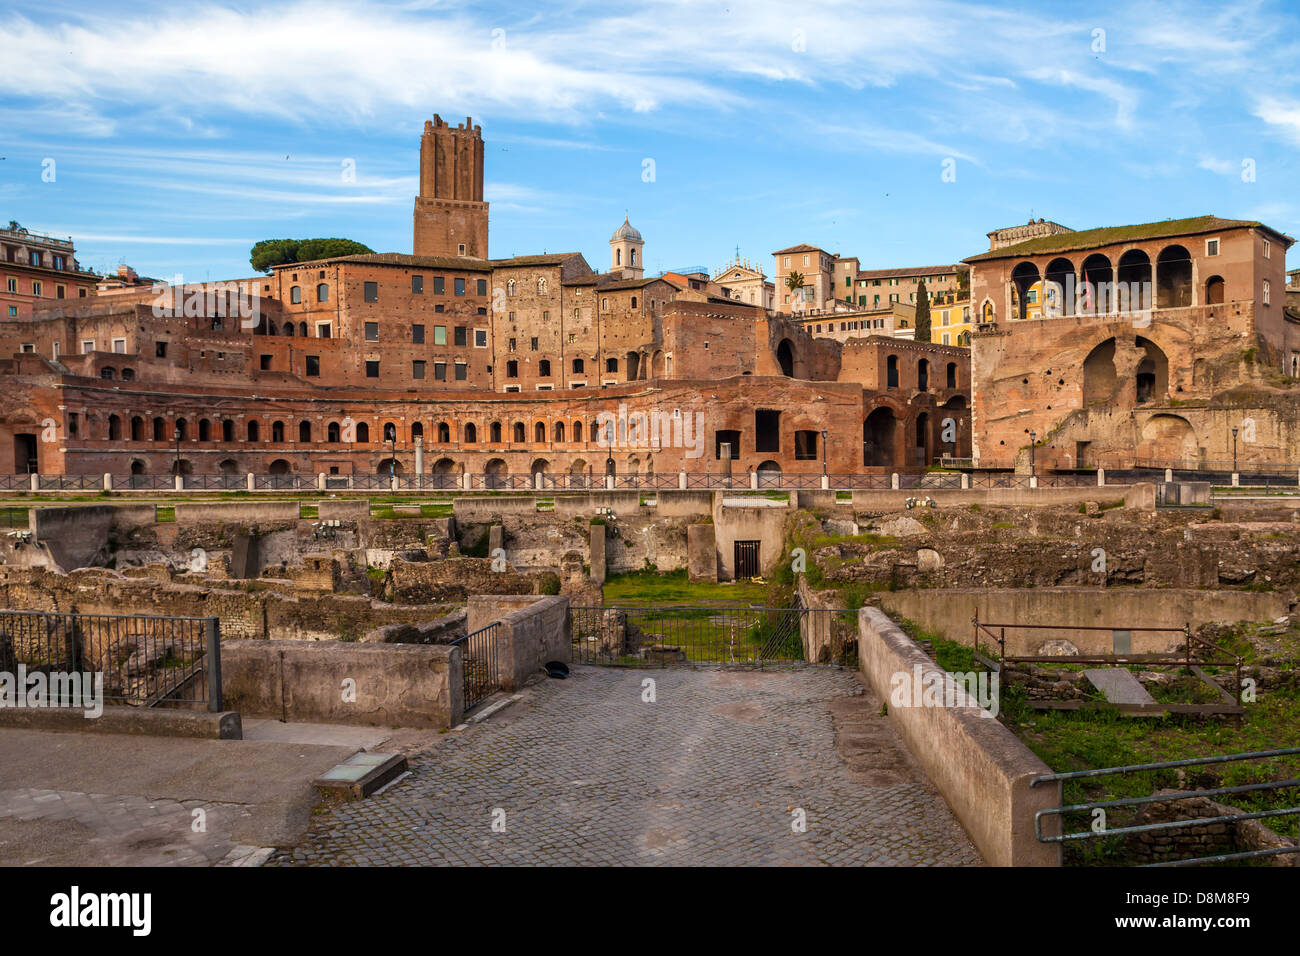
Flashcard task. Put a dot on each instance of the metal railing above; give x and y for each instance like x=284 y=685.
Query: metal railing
x=480 y=663
x=1166 y=798
x=145 y=660
x=667 y=636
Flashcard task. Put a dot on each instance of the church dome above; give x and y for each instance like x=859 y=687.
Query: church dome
x=626 y=231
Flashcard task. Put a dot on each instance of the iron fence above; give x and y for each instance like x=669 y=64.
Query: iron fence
x=145 y=482
x=480 y=663
x=1089 y=808
x=665 y=636
x=145 y=660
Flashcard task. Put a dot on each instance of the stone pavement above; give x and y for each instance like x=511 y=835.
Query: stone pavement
x=718 y=770
x=97 y=799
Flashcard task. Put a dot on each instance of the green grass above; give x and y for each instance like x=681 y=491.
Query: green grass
x=639 y=588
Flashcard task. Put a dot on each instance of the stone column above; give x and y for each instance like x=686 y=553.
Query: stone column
x=893 y=481
x=108 y=482
x=681 y=479
x=419 y=455
x=178 y=482
x=965 y=481
x=250 y=482
x=1101 y=477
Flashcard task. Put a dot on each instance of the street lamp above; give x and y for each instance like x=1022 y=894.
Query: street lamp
x=1234 y=449
x=824 y=434
x=1033 y=438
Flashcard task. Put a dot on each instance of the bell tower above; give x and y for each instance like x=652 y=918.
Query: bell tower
x=625 y=251
x=451 y=218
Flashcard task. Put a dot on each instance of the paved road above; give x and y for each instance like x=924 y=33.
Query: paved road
x=715 y=771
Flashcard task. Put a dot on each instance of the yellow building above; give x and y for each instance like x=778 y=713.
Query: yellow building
x=950 y=319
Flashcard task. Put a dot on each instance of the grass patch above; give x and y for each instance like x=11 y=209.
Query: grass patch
x=638 y=588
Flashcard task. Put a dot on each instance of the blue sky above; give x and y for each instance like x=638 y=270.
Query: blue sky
x=182 y=133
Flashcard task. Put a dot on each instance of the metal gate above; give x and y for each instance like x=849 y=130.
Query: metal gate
x=747 y=563
x=682 y=636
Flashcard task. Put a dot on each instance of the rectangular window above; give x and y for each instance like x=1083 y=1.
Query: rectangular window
x=36 y=288
x=372 y=331
x=532 y=347
x=805 y=445
x=440 y=371
x=510 y=345
x=313 y=366
x=160 y=349
x=460 y=286
x=462 y=371
x=60 y=291
x=1268 y=249
x=322 y=330
x=372 y=292
x=458 y=338
x=440 y=335
x=1266 y=292
x=481 y=286
x=439 y=285
x=264 y=362
x=372 y=368
x=1211 y=247
x=11 y=284
x=417 y=334
x=417 y=369
x=87 y=346
x=480 y=338
x=119 y=346
x=417 y=285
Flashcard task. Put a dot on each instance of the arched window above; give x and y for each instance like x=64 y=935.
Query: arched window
x=323 y=292
x=495 y=433
x=577 y=431
x=128 y=375
x=182 y=429
x=227 y=430
x=632 y=255
x=541 y=286
x=304 y=431
x=288 y=329
x=114 y=428
x=159 y=430
x=332 y=432
x=254 y=430
x=390 y=431
x=520 y=435
x=137 y=428
x=558 y=431
x=539 y=432
x=295 y=294
x=444 y=433
x=891 y=372
x=363 y=433
x=417 y=430
x=510 y=287
x=108 y=372
x=471 y=433
x=302 y=329
x=205 y=430
x=277 y=431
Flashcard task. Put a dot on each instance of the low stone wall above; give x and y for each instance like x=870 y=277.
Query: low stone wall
x=620 y=502
x=980 y=767
x=236 y=512
x=1210 y=839
x=671 y=502
x=948 y=612
x=492 y=506
x=343 y=509
x=1131 y=495
x=534 y=630
x=73 y=537
x=390 y=685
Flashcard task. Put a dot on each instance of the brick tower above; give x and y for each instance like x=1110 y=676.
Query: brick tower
x=451 y=218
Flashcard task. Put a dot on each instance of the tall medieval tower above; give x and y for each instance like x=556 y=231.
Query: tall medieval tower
x=451 y=218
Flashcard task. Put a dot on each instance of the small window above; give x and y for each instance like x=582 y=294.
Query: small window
x=480 y=338
x=512 y=369
x=481 y=286
x=611 y=365
x=87 y=346
x=439 y=285
x=544 y=368
x=440 y=335
x=459 y=285
x=323 y=292
x=417 y=334
x=295 y=294
x=313 y=365
x=577 y=366
x=1268 y=249
x=417 y=285
x=372 y=331
x=460 y=249
x=119 y=346
x=440 y=371
x=459 y=337
x=322 y=330
x=264 y=362
x=1266 y=292
x=1211 y=247
x=462 y=371
x=417 y=369
x=372 y=369
x=160 y=349
x=371 y=292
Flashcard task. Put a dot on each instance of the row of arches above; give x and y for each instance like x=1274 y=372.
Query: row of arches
x=1099 y=287
x=887 y=441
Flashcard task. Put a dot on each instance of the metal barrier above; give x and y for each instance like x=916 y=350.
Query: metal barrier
x=1104 y=805
x=146 y=660
x=663 y=636
x=480 y=663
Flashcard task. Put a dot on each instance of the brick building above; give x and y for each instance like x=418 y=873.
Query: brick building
x=449 y=362
x=1155 y=342
x=37 y=268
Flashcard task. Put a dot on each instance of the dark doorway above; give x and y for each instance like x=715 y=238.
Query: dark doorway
x=25 y=461
x=747 y=563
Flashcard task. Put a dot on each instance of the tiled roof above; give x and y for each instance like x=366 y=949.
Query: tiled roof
x=802 y=247
x=918 y=271
x=1110 y=235
x=451 y=263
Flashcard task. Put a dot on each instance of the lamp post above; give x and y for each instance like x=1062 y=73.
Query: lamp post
x=392 y=457
x=1234 y=449
x=1033 y=439
x=177 y=433
x=824 y=434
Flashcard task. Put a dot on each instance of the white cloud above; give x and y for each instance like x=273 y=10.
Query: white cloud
x=1282 y=115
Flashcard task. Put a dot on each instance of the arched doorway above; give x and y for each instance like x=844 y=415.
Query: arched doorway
x=1214 y=291
x=1023 y=278
x=388 y=466
x=1133 y=291
x=1173 y=278
x=1152 y=373
x=1097 y=280
x=769 y=474
x=1168 y=438
x=496 y=473
x=923 y=440
x=878 y=438
x=1099 y=376
x=228 y=467
x=1059 y=289
x=279 y=467
x=785 y=358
